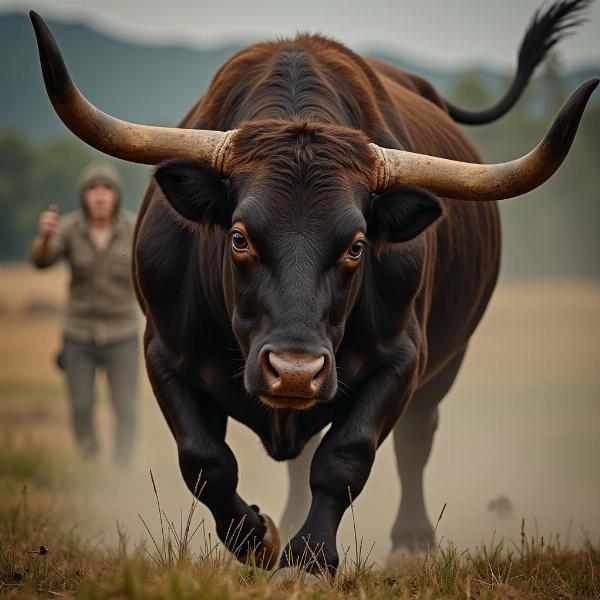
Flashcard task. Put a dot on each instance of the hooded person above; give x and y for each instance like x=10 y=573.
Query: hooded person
x=101 y=318
x=100 y=172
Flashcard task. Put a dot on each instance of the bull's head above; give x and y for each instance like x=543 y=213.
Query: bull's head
x=299 y=202
x=296 y=210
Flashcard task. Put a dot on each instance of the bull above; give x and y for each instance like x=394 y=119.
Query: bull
x=320 y=221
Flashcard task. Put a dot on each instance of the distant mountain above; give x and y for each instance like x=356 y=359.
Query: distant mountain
x=139 y=83
x=143 y=83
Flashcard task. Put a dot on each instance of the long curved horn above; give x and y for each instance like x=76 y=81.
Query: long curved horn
x=129 y=141
x=469 y=181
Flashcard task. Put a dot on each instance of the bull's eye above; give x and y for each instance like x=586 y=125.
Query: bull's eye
x=356 y=249
x=239 y=241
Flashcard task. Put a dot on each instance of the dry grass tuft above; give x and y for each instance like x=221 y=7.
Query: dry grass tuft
x=40 y=557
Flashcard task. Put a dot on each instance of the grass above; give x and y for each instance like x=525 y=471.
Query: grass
x=183 y=560
x=26 y=461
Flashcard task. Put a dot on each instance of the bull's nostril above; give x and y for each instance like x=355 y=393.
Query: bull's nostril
x=318 y=375
x=318 y=366
x=274 y=361
x=269 y=371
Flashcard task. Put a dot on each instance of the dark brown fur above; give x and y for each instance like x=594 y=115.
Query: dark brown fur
x=306 y=109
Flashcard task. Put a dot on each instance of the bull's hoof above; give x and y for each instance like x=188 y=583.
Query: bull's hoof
x=288 y=574
x=413 y=548
x=414 y=541
x=267 y=552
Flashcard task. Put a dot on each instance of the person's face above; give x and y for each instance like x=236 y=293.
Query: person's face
x=100 y=200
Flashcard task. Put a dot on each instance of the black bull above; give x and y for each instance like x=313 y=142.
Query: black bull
x=298 y=292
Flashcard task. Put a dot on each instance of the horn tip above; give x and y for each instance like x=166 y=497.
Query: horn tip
x=54 y=71
x=591 y=83
x=36 y=20
x=586 y=89
x=583 y=93
x=40 y=28
x=561 y=134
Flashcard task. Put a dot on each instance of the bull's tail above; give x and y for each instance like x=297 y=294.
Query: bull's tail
x=545 y=30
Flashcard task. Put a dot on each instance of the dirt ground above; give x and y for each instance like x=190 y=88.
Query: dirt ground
x=521 y=422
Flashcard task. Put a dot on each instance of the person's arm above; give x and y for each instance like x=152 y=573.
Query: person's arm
x=48 y=247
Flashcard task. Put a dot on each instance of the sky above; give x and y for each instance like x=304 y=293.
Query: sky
x=453 y=33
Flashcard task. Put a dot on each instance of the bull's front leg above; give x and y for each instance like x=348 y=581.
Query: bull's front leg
x=343 y=460
x=298 y=501
x=199 y=430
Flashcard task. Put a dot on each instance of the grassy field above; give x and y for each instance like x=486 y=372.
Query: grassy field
x=521 y=423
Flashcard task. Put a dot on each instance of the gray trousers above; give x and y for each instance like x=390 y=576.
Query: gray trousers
x=120 y=360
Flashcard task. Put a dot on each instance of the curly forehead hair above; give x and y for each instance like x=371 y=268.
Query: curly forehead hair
x=294 y=147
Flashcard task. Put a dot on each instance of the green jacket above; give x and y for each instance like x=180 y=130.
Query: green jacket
x=101 y=307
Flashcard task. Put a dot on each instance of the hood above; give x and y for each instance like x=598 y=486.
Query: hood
x=96 y=172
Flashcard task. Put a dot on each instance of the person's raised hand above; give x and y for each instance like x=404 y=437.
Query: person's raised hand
x=49 y=222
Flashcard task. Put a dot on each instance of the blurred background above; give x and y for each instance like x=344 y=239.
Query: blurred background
x=519 y=434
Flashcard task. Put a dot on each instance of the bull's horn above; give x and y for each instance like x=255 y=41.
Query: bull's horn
x=129 y=141
x=469 y=181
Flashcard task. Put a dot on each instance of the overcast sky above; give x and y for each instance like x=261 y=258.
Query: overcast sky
x=437 y=32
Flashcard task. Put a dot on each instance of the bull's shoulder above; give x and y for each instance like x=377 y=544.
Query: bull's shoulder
x=424 y=115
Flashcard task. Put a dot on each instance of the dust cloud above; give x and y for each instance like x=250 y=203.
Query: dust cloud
x=520 y=427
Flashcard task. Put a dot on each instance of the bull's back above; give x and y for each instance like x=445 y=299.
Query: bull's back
x=465 y=245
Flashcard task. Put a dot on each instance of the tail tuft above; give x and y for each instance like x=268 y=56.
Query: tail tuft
x=546 y=29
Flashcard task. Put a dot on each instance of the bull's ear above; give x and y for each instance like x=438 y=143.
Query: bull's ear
x=401 y=213
x=195 y=192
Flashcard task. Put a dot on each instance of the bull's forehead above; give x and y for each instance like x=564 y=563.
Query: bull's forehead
x=305 y=198
x=318 y=216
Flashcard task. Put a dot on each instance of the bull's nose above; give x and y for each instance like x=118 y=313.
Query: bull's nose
x=294 y=374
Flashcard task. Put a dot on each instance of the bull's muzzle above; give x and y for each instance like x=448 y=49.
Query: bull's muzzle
x=293 y=379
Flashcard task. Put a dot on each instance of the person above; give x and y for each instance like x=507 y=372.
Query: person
x=101 y=321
